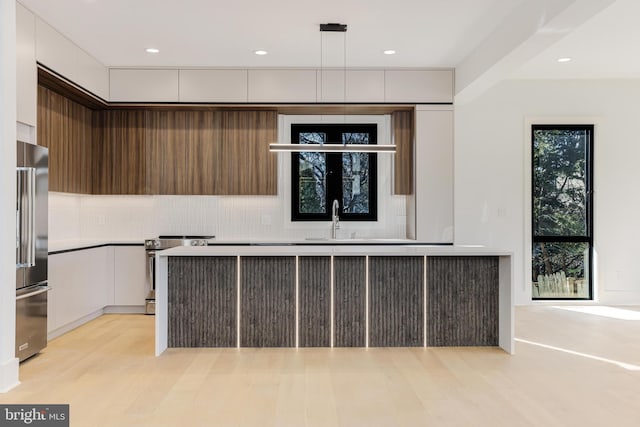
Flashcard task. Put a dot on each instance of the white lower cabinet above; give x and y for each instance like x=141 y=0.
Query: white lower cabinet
x=81 y=285
x=129 y=275
x=85 y=282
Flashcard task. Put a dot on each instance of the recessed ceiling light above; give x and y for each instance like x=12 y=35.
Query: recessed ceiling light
x=389 y=52
x=565 y=59
x=260 y=52
x=152 y=50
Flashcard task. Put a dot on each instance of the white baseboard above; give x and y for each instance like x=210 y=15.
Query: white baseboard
x=124 y=309
x=71 y=326
x=110 y=309
x=9 y=375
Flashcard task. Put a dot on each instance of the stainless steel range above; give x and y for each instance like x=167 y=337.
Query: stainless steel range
x=152 y=246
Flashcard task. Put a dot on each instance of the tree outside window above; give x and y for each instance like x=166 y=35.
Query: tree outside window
x=319 y=178
x=562 y=211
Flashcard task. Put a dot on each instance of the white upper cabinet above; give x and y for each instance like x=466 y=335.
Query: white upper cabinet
x=65 y=58
x=282 y=86
x=418 y=86
x=362 y=86
x=139 y=85
x=26 y=69
x=213 y=85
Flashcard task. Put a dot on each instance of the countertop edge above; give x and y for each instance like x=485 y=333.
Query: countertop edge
x=336 y=250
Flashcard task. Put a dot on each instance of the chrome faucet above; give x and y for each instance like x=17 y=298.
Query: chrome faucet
x=335 y=217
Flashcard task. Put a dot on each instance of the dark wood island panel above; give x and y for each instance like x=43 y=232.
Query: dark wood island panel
x=267 y=301
x=322 y=300
x=314 y=296
x=462 y=301
x=396 y=301
x=202 y=301
x=349 y=275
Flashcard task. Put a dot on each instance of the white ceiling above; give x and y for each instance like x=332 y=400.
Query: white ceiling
x=214 y=33
x=606 y=46
x=485 y=40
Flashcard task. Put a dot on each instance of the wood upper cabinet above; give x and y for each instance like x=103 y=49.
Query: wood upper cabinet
x=188 y=152
x=183 y=151
x=166 y=157
x=119 y=152
x=211 y=152
x=66 y=128
x=246 y=166
x=203 y=133
x=402 y=134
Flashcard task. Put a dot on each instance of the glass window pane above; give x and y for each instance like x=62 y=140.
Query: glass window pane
x=560 y=270
x=312 y=175
x=560 y=182
x=355 y=176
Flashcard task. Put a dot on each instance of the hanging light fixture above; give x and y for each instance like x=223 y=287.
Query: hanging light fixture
x=334 y=147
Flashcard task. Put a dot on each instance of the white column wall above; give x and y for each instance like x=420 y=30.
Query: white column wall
x=8 y=361
x=492 y=165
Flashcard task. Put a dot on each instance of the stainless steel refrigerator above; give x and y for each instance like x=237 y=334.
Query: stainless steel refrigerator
x=31 y=249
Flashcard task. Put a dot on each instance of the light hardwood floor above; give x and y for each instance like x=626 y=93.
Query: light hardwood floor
x=107 y=372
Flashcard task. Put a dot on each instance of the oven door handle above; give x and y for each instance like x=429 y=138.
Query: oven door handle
x=151 y=259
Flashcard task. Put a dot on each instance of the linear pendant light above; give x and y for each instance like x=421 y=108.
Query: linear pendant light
x=332 y=147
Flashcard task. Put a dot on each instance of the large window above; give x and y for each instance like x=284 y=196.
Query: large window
x=320 y=178
x=562 y=211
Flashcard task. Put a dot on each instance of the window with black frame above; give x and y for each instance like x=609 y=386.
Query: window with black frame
x=320 y=178
x=562 y=211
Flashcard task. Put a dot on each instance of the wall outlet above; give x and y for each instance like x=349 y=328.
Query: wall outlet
x=265 y=219
x=102 y=220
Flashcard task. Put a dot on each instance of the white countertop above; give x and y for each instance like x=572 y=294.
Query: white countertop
x=285 y=249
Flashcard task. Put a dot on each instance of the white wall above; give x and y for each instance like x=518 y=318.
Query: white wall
x=491 y=163
x=8 y=361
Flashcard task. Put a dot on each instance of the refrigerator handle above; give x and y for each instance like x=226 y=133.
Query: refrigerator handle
x=19 y=257
x=26 y=217
x=31 y=252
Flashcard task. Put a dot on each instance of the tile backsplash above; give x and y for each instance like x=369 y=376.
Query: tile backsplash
x=73 y=216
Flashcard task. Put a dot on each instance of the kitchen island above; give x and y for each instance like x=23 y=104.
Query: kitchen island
x=333 y=295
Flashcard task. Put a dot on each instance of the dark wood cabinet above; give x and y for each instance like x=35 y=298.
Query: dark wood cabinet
x=166 y=152
x=66 y=128
x=119 y=164
x=137 y=151
x=402 y=129
x=245 y=164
